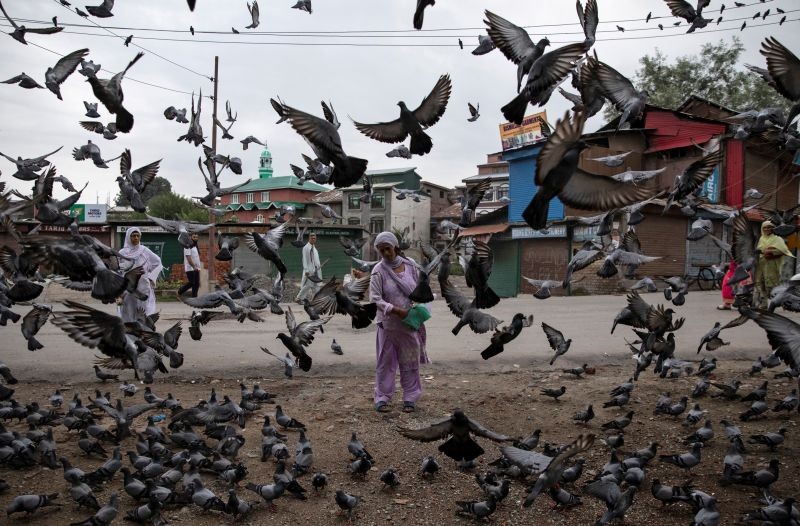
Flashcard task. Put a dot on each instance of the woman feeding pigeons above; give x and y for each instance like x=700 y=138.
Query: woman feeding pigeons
x=400 y=341
x=141 y=256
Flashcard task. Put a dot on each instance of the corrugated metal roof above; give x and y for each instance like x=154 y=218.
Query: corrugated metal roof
x=671 y=131
x=391 y=171
x=483 y=229
x=451 y=211
x=331 y=196
x=376 y=186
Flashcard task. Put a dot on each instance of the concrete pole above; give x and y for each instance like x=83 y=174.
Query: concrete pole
x=212 y=244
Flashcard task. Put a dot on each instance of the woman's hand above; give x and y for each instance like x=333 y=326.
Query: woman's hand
x=401 y=313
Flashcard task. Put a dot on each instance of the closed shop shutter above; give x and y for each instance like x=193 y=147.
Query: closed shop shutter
x=505 y=272
x=704 y=252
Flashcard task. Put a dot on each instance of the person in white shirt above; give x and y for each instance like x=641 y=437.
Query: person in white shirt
x=191 y=265
x=311 y=267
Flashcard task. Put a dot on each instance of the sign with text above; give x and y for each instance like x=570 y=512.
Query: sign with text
x=529 y=233
x=530 y=131
x=89 y=213
x=710 y=188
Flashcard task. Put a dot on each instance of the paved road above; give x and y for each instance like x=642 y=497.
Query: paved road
x=231 y=349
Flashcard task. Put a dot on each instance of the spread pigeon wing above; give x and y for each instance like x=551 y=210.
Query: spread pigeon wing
x=304 y=332
x=616 y=87
x=606 y=490
x=456 y=302
x=682 y=9
x=67 y=64
x=356 y=289
x=566 y=134
x=784 y=67
x=478 y=429
x=554 y=336
x=433 y=106
x=89 y=326
x=512 y=40
x=587 y=191
x=700 y=170
x=588 y=18
x=783 y=335
x=317 y=131
x=531 y=460
x=388 y=132
x=429 y=434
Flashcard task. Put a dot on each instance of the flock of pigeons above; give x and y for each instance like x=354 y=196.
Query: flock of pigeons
x=166 y=468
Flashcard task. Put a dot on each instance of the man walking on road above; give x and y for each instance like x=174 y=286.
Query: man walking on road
x=311 y=268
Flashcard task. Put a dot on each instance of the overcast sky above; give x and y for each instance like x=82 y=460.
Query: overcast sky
x=362 y=82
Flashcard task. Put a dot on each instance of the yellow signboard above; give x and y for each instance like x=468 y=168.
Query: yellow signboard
x=515 y=135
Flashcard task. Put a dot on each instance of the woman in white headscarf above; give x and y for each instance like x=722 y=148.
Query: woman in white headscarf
x=142 y=256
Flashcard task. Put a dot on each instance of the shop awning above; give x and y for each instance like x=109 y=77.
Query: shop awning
x=483 y=229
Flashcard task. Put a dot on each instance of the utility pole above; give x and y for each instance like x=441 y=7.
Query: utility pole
x=211 y=218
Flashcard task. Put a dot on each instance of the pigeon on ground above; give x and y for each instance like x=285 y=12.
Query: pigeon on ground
x=458 y=426
x=617 y=501
x=477 y=509
x=684 y=460
x=410 y=122
x=336 y=348
x=555 y=394
x=346 y=502
x=109 y=92
x=31 y=503
x=584 y=416
x=771 y=440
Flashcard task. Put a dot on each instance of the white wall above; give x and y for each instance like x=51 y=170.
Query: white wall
x=415 y=216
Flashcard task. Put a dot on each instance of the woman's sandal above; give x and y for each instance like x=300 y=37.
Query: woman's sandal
x=723 y=307
x=382 y=407
x=409 y=407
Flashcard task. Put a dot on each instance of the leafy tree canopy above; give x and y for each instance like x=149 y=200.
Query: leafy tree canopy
x=713 y=74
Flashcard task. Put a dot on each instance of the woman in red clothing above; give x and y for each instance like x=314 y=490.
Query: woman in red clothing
x=728 y=292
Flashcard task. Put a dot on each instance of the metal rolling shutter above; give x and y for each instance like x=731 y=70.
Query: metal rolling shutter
x=505 y=272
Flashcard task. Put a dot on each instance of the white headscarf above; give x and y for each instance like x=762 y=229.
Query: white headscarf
x=129 y=249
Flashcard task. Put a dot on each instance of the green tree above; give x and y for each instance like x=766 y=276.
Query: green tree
x=157 y=186
x=713 y=74
x=173 y=206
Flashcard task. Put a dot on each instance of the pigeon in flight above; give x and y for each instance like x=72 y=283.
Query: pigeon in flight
x=506 y=335
x=91 y=110
x=693 y=177
x=473 y=112
x=619 y=90
x=248 y=140
x=589 y=19
x=557 y=174
x=784 y=71
x=556 y=340
x=400 y=151
x=103 y=10
x=683 y=9
x=485 y=45
x=268 y=246
x=611 y=161
x=515 y=43
x=410 y=122
x=326 y=143
x=109 y=92
x=89 y=151
x=300 y=336
x=184 y=230
x=419 y=13
x=20 y=31
x=108 y=131
x=66 y=65
x=24 y=81
x=303 y=5
x=254 y=14
x=172 y=113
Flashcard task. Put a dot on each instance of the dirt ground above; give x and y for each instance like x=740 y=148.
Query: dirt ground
x=508 y=403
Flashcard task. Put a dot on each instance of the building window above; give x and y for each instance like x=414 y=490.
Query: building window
x=249 y=197
x=234 y=199
x=377 y=201
x=376 y=225
x=264 y=197
x=259 y=218
x=441 y=194
x=502 y=191
x=489 y=195
x=353 y=221
x=428 y=191
x=354 y=201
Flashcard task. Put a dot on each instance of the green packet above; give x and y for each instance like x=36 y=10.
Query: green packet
x=417 y=315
